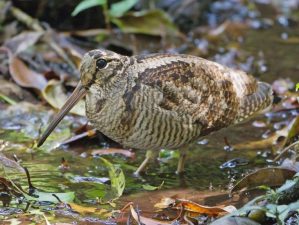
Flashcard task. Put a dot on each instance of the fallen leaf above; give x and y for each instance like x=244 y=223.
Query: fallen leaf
x=284 y=211
x=87 y=209
x=152 y=188
x=75 y=55
x=24 y=76
x=8 y=185
x=193 y=207
x=41 y=196
x=117 y=178
x=118 y=9
x=110 y=151
x=14 y=92
x=22 y=41
x=10 y=164
x=153 y=22
x=86 y=4
x=165 y=203
x=272 y=176
x=200 y=209
x=148 y=221
x=55 y=95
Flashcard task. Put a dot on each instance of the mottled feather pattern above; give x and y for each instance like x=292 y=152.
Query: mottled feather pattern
x=168 y=100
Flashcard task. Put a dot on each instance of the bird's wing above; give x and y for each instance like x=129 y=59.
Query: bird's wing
x=191 y=86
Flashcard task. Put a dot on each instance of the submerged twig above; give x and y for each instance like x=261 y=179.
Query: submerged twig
x=58 y=199
x=31 y=187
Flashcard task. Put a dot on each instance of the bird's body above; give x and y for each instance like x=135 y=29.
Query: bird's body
x=162 y=100
x=166 y=101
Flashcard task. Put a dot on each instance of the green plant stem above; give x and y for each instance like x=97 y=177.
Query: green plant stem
x=106 y=15
x=7 y=99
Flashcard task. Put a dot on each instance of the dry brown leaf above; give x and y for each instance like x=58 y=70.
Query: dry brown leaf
x=165 y=203
x=148 y=221
x=193 y=207
x=74 y=55
x=87 y=209
x=10 y=164
x=22 y=41
x=15 y=92
x=24 y=76
x=272 y=176
x=109 y=151
x=201 y=209
x=55 y=95
x=9 y=186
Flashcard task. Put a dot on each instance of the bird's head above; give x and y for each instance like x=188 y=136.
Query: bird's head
x=98 y=68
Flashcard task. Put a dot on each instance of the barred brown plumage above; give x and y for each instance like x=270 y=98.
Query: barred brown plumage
x=163 y=100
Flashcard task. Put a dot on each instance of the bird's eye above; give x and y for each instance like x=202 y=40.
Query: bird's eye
x=101 y=63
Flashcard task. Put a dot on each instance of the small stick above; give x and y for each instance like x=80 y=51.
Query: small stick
x=31 y=187
x=285 y=150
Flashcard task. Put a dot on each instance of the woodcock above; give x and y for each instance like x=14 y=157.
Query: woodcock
x=162 y=100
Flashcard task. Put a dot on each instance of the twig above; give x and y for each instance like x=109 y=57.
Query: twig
x=285 y=150
x=87 y=33
x=26 y=19
x=31 y=187
x=58 y=199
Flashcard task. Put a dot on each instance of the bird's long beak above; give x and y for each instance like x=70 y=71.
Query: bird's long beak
x=78 y=93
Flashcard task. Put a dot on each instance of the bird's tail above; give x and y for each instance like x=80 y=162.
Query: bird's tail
x=258 y=102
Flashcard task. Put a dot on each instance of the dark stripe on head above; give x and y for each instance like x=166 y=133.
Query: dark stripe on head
x=92 y=80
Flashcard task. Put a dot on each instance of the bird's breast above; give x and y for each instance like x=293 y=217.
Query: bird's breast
x=142 y=124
